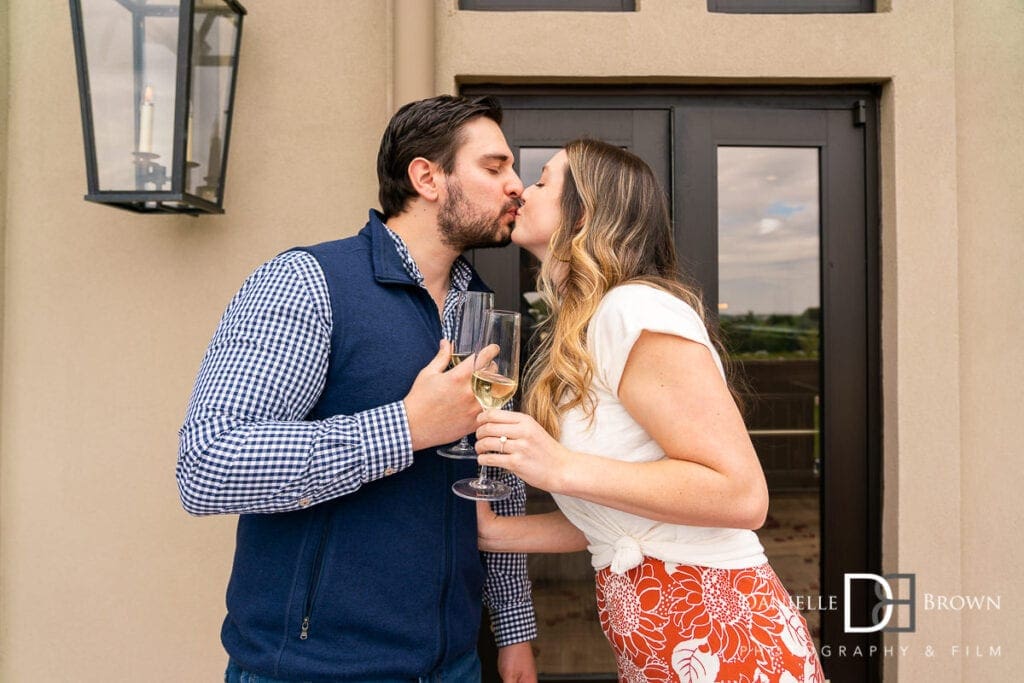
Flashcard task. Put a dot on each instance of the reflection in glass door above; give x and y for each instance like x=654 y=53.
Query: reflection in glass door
x=769 y=307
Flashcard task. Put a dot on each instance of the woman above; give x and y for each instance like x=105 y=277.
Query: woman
x=632 y=427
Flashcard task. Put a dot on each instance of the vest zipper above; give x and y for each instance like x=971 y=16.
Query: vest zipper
x=314 y=580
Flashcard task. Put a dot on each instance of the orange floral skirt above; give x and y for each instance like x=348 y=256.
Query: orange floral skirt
x=694 y=624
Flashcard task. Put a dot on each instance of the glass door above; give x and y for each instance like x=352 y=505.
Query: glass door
x=769 y=312
x=777 y=224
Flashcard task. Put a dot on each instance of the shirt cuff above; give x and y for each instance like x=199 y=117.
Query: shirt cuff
x=514 y=624
x=386 y=440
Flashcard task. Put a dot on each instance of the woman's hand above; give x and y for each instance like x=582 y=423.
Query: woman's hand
x=516 y=442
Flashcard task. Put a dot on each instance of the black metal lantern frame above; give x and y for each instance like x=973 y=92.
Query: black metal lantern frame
x=125 y=171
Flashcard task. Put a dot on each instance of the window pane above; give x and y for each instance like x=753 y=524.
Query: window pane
x=550 y=5
x=791 y=6
x=531 y=162
x=768 y=230
x=213 y=42
x=769 y=309
x=132 y=86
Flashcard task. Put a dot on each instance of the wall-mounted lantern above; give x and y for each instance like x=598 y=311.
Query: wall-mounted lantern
x=156 y=79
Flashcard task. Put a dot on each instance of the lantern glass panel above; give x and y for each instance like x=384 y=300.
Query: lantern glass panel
x=131 y=48
x=215 y=32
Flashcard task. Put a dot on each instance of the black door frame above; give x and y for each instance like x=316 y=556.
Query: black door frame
x=850 y=287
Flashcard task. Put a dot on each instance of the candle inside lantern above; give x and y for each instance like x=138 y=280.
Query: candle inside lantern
x=146 y=121
x=188 y=145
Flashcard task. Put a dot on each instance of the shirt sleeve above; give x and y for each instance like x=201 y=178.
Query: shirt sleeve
x=244 y=446
x=625 y=313
x=507 y=593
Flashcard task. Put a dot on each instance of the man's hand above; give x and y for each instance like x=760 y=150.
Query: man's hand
x=440 y=405
x=516 y=663
x=487 y=527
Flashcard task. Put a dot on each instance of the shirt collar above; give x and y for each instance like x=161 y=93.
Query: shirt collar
x=460 y=275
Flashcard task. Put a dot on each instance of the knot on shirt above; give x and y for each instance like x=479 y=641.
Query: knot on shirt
x=627 y=554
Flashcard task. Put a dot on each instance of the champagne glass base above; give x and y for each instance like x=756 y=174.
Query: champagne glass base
x=459 y=451
x=473 y=489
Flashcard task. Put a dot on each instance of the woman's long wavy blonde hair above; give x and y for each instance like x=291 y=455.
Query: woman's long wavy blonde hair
x=614 y=228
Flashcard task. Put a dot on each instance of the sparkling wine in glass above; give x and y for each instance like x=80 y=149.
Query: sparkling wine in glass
x=467 y=336
x=495 y=378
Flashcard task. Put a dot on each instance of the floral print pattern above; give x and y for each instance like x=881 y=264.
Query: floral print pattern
x=692 y=624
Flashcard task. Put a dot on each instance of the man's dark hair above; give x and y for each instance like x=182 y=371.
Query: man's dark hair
x=430 y=128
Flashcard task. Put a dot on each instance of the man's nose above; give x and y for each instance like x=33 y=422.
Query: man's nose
x=515 y=187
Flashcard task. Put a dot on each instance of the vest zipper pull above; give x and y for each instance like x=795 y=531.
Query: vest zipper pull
x=305 y=629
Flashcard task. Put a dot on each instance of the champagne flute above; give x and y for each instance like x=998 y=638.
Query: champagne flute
x=467 y=336
x=495 y=378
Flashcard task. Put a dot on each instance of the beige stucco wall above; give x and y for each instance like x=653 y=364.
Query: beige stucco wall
x=4 y=96
x=106 y=317
x=106 y=314
x=990 y=216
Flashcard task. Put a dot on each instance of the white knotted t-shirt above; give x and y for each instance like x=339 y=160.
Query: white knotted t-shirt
x=620 y=540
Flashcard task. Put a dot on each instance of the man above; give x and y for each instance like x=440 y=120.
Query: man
x=315 y=416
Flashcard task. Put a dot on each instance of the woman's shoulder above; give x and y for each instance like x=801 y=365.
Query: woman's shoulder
x=629 y=310
x=641 y=298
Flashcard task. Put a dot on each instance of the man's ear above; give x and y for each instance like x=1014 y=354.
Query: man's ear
x=426 y=178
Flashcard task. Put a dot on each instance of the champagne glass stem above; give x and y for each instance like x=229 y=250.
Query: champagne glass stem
x=482 y=483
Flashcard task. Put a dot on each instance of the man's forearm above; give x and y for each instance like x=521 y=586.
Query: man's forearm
x=287 y=465
x=507 y=592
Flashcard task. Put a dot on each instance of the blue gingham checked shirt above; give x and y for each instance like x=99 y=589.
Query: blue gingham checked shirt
x=245 y=448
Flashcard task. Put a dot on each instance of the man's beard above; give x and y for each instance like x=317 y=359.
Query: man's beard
x=463 y=228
